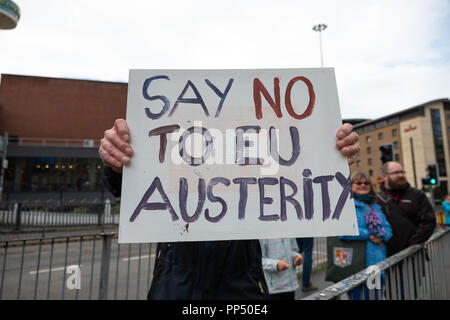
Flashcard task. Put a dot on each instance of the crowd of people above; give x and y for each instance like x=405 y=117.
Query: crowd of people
x=392 y=219
x=389 y=220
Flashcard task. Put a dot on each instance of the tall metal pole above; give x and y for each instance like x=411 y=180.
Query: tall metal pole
x=321 y=54
x=319 y=28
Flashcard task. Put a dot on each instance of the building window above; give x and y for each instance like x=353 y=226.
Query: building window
x=368 y=139
x=395 y=143
x=371 y=172
x=380 y=136
x=438 y=141
x=54 y=174
x=397 y=157
x=369 y=150
x=358 y=163
x=394 y=132
x=369 y=161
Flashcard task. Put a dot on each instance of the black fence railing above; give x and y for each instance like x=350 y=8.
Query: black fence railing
x=40 y=267
x=420 y=272
x=88 y=267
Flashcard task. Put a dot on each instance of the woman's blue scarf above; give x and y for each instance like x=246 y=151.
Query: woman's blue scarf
x=371 y=216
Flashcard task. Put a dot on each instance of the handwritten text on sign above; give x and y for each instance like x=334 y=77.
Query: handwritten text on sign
x=234 y=154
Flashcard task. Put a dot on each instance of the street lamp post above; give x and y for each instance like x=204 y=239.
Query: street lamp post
x=319 y=28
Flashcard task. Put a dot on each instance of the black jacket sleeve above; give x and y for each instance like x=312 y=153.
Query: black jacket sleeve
x=426 y=221
x=112 y=181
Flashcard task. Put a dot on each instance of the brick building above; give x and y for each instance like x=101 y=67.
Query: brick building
x=420 y=135
x=54 y=128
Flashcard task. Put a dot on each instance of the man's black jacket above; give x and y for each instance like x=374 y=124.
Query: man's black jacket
x=211 y=270
x=410 y=215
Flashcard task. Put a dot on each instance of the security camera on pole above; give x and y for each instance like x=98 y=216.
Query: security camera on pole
x=9 y=14
x=9 y=17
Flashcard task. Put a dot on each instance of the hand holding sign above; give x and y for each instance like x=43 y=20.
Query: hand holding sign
x=115 y=150
x=348 y=142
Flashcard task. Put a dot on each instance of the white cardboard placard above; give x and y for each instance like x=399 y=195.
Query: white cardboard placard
x=249 y=154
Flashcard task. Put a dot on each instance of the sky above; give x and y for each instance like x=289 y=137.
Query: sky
x=388 y=55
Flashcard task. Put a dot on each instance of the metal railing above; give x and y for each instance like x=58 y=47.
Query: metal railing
x=54 y=142
x=39 y=268
x=44 y=215
x=417 y=273
x=42 y=268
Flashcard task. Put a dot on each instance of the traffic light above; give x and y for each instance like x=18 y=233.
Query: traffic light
x=387 y=153
x=433 y=174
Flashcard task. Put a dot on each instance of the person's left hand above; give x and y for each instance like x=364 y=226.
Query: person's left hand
x=348 y=142
x=298 y=259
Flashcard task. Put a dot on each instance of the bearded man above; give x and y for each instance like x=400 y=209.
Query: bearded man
x=407 y=209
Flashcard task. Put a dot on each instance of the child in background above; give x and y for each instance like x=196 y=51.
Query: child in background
x=279 y=258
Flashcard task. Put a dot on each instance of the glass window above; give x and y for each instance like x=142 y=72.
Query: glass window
x=380 y=136
x=54 y=174
x=394 y=132
x=438 y=141
x=368 y=139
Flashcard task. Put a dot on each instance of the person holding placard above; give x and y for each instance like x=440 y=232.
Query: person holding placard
x=201 y=269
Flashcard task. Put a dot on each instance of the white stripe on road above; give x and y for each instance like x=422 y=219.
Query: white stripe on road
x=62 y=268
x=48 y=270
x=146 y=256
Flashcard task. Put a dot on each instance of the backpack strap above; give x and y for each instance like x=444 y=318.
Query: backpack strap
x=385 y=198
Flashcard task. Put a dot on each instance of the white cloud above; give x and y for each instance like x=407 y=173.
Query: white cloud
x=388 y=55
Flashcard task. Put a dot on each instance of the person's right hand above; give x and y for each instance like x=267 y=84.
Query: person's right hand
x=376 y=240
x=282 y=265
x=115 y=150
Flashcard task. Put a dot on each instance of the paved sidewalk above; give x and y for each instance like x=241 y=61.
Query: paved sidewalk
x=318 y=279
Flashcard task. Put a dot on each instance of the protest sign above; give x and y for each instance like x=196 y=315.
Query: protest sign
x=234 y=154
